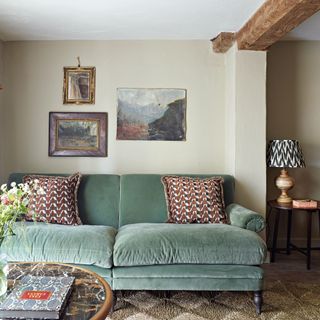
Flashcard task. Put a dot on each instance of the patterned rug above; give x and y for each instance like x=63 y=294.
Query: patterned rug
x=282 y=301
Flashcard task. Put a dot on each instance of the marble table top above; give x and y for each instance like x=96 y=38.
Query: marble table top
x=91 y=296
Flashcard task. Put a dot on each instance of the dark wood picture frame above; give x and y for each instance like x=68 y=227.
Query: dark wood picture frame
x=79 y=85
x=78 y=134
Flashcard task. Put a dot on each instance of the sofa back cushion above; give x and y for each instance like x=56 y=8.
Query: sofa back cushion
x=98 y=197
x=143 y=198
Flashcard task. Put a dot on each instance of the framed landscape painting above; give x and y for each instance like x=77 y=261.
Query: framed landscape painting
x=79 y=85
x=151 y=114
x=78 y=134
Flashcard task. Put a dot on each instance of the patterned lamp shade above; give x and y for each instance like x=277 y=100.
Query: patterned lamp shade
x=285 y=154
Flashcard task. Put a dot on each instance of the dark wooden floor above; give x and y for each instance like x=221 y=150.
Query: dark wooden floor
x=293 y=268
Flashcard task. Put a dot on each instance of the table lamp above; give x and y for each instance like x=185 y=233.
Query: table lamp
x=284 y=154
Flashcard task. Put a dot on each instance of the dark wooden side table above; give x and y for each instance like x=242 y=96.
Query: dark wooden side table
x=282 y=209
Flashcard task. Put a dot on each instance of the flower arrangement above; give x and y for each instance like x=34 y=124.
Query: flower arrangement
x=14 y=205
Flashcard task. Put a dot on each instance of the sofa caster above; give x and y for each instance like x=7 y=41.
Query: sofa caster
x=258 y=300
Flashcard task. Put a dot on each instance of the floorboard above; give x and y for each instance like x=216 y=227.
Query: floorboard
x=293 y=268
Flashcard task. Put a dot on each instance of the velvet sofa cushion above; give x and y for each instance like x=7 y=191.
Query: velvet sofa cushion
x=244 y=218
x=194 y=200
x=188 y=277
x=98 y=197
x=143 y=199
x=58 y=201
x=161 y=243
x=39 y=241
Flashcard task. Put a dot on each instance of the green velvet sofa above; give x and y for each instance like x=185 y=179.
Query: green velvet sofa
x=125 y=239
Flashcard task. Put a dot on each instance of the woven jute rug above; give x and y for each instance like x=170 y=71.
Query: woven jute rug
x=282 y=300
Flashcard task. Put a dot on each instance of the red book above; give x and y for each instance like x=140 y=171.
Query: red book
x=35 y=295
x=306 y=204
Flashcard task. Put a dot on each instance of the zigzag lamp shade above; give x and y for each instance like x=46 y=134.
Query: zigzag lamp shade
x=284 y=154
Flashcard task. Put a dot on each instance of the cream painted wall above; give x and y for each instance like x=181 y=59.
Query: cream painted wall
x=3 y=150
x=294 y=113
x=225 y=108
x=230 y=113
x=34 y=75
x=250 y=132
x=246 y=125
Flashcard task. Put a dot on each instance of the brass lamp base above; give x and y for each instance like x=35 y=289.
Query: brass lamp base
x=284 y=182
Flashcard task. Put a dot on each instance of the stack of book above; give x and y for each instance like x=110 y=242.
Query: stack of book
x=37 y=297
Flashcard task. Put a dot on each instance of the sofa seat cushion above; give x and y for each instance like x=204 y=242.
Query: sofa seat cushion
x=162 y=243
x=83 y=244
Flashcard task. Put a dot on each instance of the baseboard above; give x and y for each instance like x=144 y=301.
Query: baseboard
x=299 y=242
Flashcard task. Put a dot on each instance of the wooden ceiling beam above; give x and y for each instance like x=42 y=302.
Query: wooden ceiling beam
x=272 y=21
x=223 y=42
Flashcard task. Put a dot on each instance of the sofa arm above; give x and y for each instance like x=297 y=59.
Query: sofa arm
x=245 y=218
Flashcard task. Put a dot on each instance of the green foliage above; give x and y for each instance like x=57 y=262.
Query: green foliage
x=14 y=205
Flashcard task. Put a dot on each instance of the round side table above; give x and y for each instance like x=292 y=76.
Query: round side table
x=289 y=209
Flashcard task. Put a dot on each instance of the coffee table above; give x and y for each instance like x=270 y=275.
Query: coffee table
x=91 y=296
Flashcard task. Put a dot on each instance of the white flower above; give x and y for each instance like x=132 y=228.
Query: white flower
x=40 y=191
x=13 y=184
x=3 y=187
x=13 y=191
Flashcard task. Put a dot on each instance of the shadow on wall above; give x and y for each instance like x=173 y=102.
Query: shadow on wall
x=292 y=109
x=282 y=88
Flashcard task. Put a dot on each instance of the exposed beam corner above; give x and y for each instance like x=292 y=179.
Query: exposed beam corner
x=223 y=42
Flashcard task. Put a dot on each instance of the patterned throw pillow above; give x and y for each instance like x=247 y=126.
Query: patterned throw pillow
x=194 y=200
x=58 y=203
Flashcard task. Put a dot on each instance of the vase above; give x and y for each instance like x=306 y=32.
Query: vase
x=4 y=268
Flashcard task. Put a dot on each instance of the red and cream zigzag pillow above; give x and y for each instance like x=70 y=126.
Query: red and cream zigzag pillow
x=58 y=203
x=194 y=200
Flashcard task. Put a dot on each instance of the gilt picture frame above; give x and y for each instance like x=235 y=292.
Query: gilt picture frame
x=79 y=85
x=78 y=134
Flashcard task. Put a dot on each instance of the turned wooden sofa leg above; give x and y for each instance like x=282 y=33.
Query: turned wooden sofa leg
x=258 y=300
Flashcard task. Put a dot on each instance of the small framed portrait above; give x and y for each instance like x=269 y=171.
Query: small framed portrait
x=79 y=85
x=78 y=134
